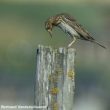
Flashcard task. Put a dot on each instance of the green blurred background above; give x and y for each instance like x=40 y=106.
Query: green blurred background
x=22 y=29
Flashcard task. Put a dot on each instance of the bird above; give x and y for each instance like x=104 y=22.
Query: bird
x=70 y=26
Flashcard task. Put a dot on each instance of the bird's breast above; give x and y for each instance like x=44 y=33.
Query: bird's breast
x=68 y=29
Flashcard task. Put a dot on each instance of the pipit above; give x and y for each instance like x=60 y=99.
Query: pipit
x=71 y=27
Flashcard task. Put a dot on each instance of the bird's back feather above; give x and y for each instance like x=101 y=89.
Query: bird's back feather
x=82 y=32
x=76 y=26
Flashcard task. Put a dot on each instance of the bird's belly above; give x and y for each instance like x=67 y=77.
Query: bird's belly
x=68 y=29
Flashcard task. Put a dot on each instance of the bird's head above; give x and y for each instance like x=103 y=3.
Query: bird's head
x=49 y=24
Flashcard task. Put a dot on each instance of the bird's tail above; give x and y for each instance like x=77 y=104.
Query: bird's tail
x=99 y=44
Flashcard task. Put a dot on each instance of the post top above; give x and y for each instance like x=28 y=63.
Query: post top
x=60 y=49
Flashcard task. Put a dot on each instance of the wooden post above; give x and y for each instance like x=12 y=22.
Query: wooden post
x=55 y=84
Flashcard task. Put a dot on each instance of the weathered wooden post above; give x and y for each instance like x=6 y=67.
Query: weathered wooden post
x=55 y=84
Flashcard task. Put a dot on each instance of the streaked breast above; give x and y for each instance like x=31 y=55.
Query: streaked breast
x=68 y=29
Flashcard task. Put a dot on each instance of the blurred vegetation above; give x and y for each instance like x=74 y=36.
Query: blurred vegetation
x=22 y=29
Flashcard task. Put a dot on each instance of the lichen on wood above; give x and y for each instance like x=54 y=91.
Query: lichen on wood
x=54 y=84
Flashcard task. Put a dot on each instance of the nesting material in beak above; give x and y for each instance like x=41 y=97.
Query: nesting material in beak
x=50 y=32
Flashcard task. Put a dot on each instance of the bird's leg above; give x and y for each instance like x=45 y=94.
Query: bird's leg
x=71 y=43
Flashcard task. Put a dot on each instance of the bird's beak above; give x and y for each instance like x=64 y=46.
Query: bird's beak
x=50 y=32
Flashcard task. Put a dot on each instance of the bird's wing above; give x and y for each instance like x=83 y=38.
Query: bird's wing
x=77 y=27
x=66 y=15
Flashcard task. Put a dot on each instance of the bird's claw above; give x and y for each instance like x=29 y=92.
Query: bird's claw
x=69 y=45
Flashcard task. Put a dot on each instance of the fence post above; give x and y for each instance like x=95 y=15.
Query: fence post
x=54 y=79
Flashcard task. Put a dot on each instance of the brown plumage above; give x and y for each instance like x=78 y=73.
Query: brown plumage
x=70 y=26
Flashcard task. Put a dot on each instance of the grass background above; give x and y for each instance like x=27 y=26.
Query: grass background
x=22 y=29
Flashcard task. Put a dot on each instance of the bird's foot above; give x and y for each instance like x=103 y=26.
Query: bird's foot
x=70 y=44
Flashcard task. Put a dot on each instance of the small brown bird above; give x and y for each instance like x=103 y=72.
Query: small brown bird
x=70 y=26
